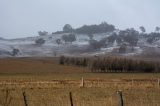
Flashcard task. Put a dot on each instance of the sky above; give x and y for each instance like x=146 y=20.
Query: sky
x=24 y=18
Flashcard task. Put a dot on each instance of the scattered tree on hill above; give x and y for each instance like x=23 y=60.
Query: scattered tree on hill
x=15 y=52
x=122 y=48
x=152 y=37
x=90 y=36
x=92 y=29
x=129 y=36
x=142 y=29
x=58 y=41
x=42 y=33
x=40 y=41
x=94 y=44
x=69 y=38
x=67 y=28
x=112 y=38
x=157 y=29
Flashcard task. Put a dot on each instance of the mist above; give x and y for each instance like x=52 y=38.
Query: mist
x=25 y=18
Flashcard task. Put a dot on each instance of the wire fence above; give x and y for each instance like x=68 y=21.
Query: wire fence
x=130 y=98
x=94 y=92
x=87 y=83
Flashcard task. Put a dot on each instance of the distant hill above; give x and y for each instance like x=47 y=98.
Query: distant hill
x=88 y=40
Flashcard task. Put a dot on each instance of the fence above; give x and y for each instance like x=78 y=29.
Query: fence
x=109 y=100
x=87 y=92
x=143 y=83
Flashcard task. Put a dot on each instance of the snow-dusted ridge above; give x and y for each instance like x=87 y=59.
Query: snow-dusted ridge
x=27 y=48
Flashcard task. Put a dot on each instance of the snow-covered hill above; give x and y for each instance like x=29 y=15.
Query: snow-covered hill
x=26 y=47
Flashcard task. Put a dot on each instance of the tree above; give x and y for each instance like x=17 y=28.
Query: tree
x=90 y=36
x=129 y=36
x=92 y=29
x=105 y=27
x=62 y=60
x=112 y=38
x=67 y=28
x=69 y=38
x=122 y=48
x=157 y=29
x=94 y=44
x=40 y=41
x=15 y=52
x=142 y=29
x=42 y=33
x=72 y=37
x=58 y=41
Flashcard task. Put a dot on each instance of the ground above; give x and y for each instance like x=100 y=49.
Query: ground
x=46 y=83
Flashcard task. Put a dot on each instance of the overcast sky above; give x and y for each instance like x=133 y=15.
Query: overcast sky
x=21 y=18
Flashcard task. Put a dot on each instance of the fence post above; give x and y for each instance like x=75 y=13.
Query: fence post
x=120 y=98
x=70 y=97
x=132 y=82
x=158 y=82
x=82 y=83
x=25 y=99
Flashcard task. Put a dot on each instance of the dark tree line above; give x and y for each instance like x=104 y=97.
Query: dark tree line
x=90 y=29
x=112 y=64
x=115 y=64
x=77 y=61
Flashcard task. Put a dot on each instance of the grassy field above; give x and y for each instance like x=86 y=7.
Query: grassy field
x=46 y=83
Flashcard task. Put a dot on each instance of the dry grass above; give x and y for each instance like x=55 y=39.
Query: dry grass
x=48 y=84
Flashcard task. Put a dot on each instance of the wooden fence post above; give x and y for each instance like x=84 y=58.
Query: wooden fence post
x=158 y=82
x=25 y=99
x=70 y=97
x=82 y=83
x=132 y=81
x=120 y=98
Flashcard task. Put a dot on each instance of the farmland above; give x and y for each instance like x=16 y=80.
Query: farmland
x=46 y=83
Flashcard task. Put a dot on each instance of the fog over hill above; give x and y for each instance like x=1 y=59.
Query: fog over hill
x=90 y=40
